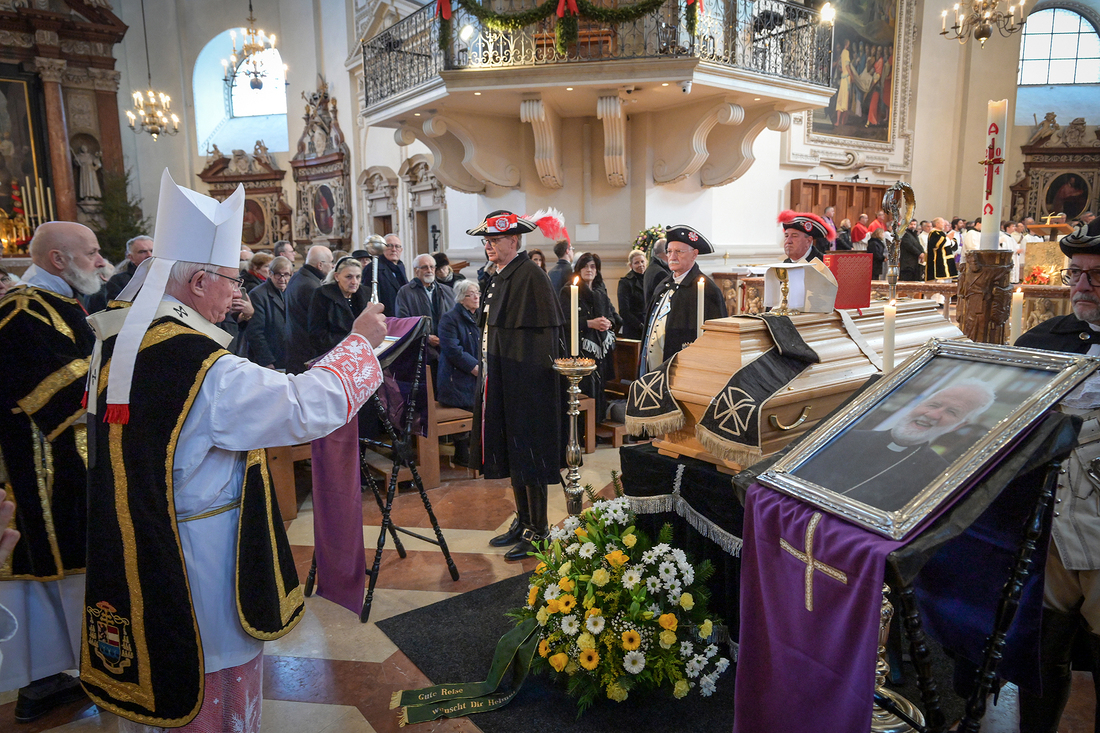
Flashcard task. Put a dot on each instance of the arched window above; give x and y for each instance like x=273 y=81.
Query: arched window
x=260 y=86
x=1059 y=46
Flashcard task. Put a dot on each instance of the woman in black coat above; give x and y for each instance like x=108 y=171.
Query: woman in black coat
x=598 y=321
x=632 y=296
x=844 y=235
x=877 y=247
x=459 y=358
x=335 y=305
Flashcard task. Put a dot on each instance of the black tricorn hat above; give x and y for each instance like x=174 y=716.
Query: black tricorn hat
x=1085 y=240
x=690 y=237
x=360 y=254
x=502 y=222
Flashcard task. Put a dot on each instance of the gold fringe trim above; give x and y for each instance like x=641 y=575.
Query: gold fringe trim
x=654 y=426
x=403 y=718
x=395 y=700
x=742 y=455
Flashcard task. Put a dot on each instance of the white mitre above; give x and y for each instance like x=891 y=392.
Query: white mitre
x=190 y=227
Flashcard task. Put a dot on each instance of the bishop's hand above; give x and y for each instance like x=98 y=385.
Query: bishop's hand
x=371 y=324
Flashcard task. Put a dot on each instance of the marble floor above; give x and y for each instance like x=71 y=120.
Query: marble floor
x=333 y=674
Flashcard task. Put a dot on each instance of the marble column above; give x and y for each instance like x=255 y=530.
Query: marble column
x=64 y=189
x=110 y=135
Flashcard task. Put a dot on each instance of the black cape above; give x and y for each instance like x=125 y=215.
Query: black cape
x=1063 y=333
x=298 y=294
x=680 y=328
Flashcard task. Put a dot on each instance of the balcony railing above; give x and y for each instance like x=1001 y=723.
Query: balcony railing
x=766 y=36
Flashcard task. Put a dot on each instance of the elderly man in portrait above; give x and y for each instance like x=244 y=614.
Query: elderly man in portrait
x=45 y=345
x=138 y=250
x=298 y=294
x=895 y=464
x=425 y=297
x=391 y=273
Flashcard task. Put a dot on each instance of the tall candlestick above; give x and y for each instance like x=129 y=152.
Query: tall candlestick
x=575 y=309
x=699 y=307
x=41 y=201
x=1016 y=316
x=49 y=201
x=28 y=200
x=995 y=136
x=889 y=312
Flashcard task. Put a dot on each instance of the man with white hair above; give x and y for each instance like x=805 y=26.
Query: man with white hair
x=189 y=568
x=391 y=273
x=895 y=464
x=138 y=249
x=423 y=296
x=45 y=344
x=298 y=295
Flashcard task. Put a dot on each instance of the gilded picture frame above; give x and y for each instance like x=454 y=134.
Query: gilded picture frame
x=905 y=446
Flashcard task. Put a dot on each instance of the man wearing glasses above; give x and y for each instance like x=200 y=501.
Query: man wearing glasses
x=1071 y=595
x=391 y=274
x=425 y=297
x=267 y=330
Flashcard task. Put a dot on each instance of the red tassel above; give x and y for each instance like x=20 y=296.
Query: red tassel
x=117 y=414
x=84 y=400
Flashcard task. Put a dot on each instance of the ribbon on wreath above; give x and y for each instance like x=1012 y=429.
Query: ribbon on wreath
x=443 y=7
x=699 y=9
x=572 y=5
x=650 y=407
x=514 y=654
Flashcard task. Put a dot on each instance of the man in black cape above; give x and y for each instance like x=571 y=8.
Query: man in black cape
x=517 y=415
x=672 y=320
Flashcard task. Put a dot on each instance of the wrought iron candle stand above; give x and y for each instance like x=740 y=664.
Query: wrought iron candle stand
x=892 y=713
x=574 y=369
x=899 y=202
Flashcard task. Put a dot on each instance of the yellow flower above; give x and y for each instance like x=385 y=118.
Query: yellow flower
x=617 y=558
x=705 y=629
x=558 y=661
x=601 y=577
x=542 y=616
x=553 y=605
x=586 y=641
x=540 y=568
x=532 y=597
x=616 y=692
x=593 y=612
x=681 y=689
x=544 y=648
x=566 y=603
x=629 y=540
x=589 y=659
x=687 y=602
x=571 y=668
x=581 y=532
x=563 y=571
x=566 y=585
x=589 y=601
x=667 y=621
x=668 y=638
x=631 y=640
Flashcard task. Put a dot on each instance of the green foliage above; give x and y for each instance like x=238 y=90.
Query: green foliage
x=444 y=34
x=692 y=17
x=665 y=535
x=617 y=483
x=120 y=215
x=565 y=34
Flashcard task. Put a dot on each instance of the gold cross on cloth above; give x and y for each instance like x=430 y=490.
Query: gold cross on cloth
x=812 y=563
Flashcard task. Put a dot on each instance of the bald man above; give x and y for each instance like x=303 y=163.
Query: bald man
x=298 y=294
x=45 y=343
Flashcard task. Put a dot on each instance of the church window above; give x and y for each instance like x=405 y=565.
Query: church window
x=1060 y=46
x=260 y=86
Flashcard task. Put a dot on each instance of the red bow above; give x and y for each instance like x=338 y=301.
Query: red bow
x=572 y=7
x=700 y=8
x=443 y=6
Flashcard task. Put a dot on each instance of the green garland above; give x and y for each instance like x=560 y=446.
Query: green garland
x=692 y=18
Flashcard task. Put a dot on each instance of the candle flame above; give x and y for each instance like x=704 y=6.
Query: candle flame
x=893 y=304
x=702 y=278
x=576 y=279
x=1020 y=290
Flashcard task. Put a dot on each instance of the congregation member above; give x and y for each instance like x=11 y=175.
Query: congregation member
x=860 y=231
x=517 y=415
x=879 y=222
x=267 y=329
x=181 y=594
x=828 y=215
x=460 y=357
x=259 y=268
x=631 y=295
x=138 y=250
x=1072 y=584
x=655 y=271
x=671 y=321
x=939 y=259
x=598 y=324
x=562 y=272
x=876 y=245
x=45 y=345
x=335 y=306
x=538 y=258
x=844 y=236
x=910 y=254
x=805 y=236
x=444 y=274
x=391 y=273
x=424 y=297
x=298 y=296
x=283 y=248
x=925 y=230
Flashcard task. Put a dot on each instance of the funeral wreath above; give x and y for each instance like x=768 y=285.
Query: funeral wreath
x=618 y=615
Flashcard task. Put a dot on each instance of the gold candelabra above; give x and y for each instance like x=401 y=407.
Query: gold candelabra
x=882 y=720
x=152 y=110
x=253 y=42
x=574 y=369
x=978 y=18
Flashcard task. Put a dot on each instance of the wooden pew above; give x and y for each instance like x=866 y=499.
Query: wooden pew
x=441 y=420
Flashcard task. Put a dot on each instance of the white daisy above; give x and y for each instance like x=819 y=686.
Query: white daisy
x=679 y=556
x=570 y=625
x=694 y=666
x=654 y=609
x=667 y=571
x=652 y=584
x=649 y=557
x=595 y=624
x=688 y=574
x=588 y=549
x=572 y=549
x=634 y=662
x=631 y=578
x=706 y=686
x=710 y=651
x=571 y=523
x=722 y=665
x=552 y=591
x=558 y=534
x=686 y=649
x=674 y=595
x=660 y=549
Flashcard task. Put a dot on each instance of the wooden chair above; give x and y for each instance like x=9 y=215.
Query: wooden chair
x=442 y=420
x=626 y=355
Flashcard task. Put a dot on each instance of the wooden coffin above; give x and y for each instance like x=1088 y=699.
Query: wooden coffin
x=703 y=369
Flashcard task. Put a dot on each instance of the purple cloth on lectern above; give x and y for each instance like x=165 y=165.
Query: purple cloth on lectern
x=338 y=518
x=797 y=670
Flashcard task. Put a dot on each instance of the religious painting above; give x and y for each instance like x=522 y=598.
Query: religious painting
x=18 y=147
x=254 y=222
x=323 y=205
x=1067 y=194
x=924 y=433
x=864 y=63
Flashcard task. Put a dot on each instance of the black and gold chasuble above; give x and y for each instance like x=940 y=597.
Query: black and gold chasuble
x=45 y=343
x=142 y=655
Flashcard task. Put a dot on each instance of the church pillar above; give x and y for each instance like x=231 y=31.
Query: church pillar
x=110 y=135
x=64 y=188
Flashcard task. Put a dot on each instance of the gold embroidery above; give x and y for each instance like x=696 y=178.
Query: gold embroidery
x=43 y=470
x=812 y=563
x=80 y=435
x=65 y=425
x=213 y=512
x=53 y=384
x=26 y=295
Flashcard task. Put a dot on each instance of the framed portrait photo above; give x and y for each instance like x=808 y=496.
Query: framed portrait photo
x=902 y=449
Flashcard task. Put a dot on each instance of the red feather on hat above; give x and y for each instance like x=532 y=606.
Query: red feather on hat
x=551 y=223
x=786 y=217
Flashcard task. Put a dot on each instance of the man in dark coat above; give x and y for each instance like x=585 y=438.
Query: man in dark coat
x=267 y=328
x=909 y=253
x=298 y=295
x=1071 y=580
x=671 y=323
x=517 y=417
x=655 y=272
x=138 y=249
x=939 y=263
x=806 y=236
x=391 y=274
x=562 y=272
x=424 y=296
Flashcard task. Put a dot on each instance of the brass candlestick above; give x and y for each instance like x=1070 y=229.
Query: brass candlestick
x=882 y=720
x=574 y=369
x=899 y=202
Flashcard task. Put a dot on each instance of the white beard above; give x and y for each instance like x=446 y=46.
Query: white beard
x=85 y=283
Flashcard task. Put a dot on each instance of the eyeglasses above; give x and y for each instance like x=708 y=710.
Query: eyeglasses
x=395 y=246
x=238 y=280
x=418 y=268
x=672 y=251
x=280 y=274
x=486 y=241
x=1072 y=276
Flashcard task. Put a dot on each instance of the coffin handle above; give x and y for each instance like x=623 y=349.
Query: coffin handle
x=774 y=420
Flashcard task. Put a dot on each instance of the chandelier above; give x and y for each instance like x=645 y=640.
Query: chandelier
x=247 y=61
x=978 y=19
x=152 y=110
